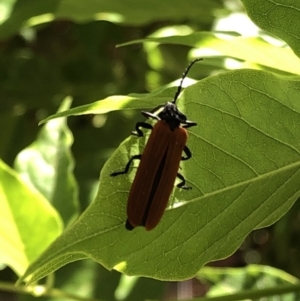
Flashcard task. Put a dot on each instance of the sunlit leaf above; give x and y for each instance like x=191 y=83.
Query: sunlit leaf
x=28 y=224
x=119 y=102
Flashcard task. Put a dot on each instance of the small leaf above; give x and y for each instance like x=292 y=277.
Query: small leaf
x=28 y=224
x=244 y=172
x=47 y=164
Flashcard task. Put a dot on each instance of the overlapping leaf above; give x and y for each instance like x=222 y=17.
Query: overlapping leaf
x=253 y=50
x=279 y=17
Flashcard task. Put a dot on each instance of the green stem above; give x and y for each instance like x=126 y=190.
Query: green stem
x=254 y=294
x=246 y=294
x=30 y=290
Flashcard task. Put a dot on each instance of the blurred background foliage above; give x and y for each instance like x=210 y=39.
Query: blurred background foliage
x=51 y=49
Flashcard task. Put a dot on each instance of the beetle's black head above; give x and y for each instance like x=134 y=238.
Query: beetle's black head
x=169 y=112
x=172 y=116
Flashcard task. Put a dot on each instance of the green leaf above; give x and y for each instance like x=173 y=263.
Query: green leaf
x=244 y=172
x=251 y=282
x=28 y=224
x=252 y=50
x=47 y=164
x=119 y=102
x=278 y=17
x=33 y=12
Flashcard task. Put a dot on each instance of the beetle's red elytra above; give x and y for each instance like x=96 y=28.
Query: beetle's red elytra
x=159 y=164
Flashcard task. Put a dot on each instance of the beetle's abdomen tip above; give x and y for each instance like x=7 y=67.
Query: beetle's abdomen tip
x=128 y=226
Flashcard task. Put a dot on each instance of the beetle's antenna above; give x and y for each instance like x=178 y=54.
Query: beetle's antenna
x=183 y=77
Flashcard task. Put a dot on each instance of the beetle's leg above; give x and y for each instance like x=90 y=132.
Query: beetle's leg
x=150 y=115
x=145 y=125
x=187 y=152
x=180 y=176
x=188 y=124
x=126 y=169
x=156 y=108
x=182 y=183
x=138 y=132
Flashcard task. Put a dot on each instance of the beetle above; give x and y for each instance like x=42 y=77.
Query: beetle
x=159 y=163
